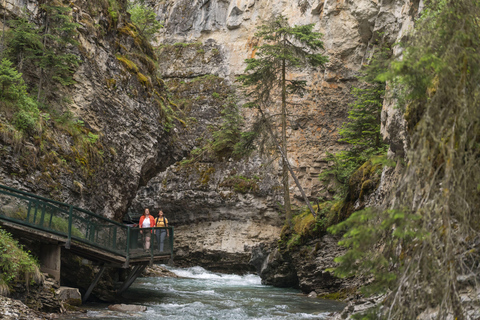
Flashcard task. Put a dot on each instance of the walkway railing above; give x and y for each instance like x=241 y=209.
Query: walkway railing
x=80 y=225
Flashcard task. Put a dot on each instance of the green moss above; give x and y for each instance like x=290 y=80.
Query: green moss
x=362 y=183
x=206 y=175
x=148 y=62
x=303 y=222
x=128 y=64
x=111 y=83
x=340 y=295
x=241 y=184
x=144 y=80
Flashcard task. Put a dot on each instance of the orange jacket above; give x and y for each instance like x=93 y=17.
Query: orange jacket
x=152 y=221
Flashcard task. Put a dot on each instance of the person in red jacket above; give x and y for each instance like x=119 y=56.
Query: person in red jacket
x=147 y=221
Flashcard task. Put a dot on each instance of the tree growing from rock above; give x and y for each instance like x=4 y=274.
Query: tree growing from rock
x=144 y=19
x=284 y=48
x=56 y=64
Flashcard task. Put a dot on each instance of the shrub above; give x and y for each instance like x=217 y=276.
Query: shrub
x=15 y=263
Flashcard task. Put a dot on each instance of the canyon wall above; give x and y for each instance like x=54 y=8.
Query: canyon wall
x=215 y=37
x=201 y=50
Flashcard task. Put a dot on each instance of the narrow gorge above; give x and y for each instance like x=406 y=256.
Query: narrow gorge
x=129 y=121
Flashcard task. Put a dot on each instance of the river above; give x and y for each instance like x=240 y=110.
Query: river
x=202 y=295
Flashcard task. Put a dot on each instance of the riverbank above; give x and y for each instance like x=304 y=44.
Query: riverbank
x=15 y=309
x=197 y=294
x=11 y=309
x=192 y=293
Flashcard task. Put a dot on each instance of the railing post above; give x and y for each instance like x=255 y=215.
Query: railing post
x=35 y=213
x=127 y=258
x=114 y=237
x=70 y=219
x=171 y=242
x=54 y=212
x=42 y=216
x=28 y=210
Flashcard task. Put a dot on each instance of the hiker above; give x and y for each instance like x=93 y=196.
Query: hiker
x=161 y=221
x=146 y=221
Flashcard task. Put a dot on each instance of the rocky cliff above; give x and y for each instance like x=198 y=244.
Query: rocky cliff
x=214 y=37
x=113 y=98
x=150 y=118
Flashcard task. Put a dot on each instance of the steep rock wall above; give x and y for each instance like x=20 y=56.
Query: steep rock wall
x=110 y=101
x=351 y=29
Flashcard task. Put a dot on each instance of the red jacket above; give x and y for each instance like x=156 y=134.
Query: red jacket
x=152 y=221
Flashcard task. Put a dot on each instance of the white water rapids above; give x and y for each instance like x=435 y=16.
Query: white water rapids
x=200 y=294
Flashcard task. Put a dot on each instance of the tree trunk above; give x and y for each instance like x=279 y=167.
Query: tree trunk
x=285 y=180
x=285 y=160
x=2 y=47
x=41 y=69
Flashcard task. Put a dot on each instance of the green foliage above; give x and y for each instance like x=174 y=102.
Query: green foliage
x=363 y=232
x=241 y=184
x=284 y=47
x=145 y=19
x=429 y=238
x=92 y=138
x=14 y=95
x=58 y=34
x=362 y=131
x=11 y=82
x=225 y=139
x=15 y=263
x=24 y=42
x=45 y=47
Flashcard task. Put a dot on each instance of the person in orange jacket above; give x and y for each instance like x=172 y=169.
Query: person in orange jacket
x=147 y=221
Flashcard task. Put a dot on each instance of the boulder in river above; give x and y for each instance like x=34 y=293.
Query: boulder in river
x=127 y=308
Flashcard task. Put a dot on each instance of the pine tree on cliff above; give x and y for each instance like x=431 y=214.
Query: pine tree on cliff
x=144 y=18
x=58 y=34
x=284 y=48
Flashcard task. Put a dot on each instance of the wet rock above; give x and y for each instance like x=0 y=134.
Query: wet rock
x=69 y=295
x=158 y=271
x=278 y=270
x=11 y=309
x=128 y=308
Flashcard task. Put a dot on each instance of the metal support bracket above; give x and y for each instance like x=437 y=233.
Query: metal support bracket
x=94 y=283
x=137 y=270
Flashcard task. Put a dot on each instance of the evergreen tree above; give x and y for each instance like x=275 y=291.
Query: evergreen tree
x=424 y=248
x=24 y=42
x=145 y=19
x=11 y=81
x=58 y=34
x=13 y=95
x=284 y=48
x=228 y=135
x=362 y=130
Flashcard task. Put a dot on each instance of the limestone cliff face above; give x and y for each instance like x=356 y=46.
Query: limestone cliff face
x=351 y=29
x=111 y=101
x=224 y=35
x=141 y=166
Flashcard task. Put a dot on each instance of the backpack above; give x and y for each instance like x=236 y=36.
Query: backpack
x=164 y=223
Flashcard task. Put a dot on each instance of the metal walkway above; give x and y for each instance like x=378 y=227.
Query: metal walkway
x=104 y=241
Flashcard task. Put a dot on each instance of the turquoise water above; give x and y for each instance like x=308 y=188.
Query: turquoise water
x=200 y=294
